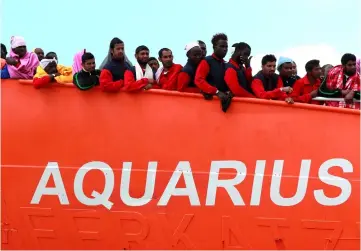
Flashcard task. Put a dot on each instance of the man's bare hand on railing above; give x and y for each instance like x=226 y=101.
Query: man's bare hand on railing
x=345 y=92
x=349 y=97
x=287 y=89
x=289 y=100
x=314 y=93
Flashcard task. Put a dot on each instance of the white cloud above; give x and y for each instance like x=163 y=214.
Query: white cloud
x=301 y=54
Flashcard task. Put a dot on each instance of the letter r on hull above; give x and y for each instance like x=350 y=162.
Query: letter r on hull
x=228 y=185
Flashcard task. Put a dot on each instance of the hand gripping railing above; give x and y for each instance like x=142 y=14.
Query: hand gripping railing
x=332 y=99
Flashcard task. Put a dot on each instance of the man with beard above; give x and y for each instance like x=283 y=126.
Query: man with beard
x=267 y=84
x=236 y=77
x=167 y=75
x=112 y=75
x=140 y=76
x=211 y=70
x=186 y=77
x=307 y=87
x=346 y=79
x=285 y=68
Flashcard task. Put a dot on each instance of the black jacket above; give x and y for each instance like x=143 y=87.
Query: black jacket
x=86 y=80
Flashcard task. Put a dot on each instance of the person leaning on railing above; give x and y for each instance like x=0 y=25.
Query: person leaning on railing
x=342 y=81
x=87 y=77
x=325 y=92
x=306 y=88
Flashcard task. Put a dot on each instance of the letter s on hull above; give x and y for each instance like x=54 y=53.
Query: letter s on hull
x=332 y=180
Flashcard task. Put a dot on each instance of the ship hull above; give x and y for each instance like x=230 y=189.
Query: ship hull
x=291 y=173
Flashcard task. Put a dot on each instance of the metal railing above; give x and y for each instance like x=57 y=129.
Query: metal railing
x=332 y=99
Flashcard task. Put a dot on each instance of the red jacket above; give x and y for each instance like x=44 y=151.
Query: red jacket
x=130 y=84
x=107 y=84
x=302 y=89
x=201 y=76
x=231 y=78
x=183 y=81
x=260 y=92
x=168 y=80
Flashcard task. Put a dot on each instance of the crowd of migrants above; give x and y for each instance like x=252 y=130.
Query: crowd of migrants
x=209 y=75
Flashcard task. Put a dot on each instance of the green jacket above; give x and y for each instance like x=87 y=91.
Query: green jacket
x=324 y=91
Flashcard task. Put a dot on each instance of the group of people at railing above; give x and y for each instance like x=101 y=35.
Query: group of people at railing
x=209 y=75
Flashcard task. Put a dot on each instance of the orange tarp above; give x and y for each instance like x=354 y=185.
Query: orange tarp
x=164 y=131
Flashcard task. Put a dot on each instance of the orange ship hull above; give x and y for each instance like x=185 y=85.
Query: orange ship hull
x=264 y=175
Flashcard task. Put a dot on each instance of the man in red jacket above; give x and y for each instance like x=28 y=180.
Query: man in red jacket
x=267 y=84
x=112 y=75
x=238 y=75
x=211 y=70
x=186 y=77
x=306 y=88
x=140 y=76
x=168 y=74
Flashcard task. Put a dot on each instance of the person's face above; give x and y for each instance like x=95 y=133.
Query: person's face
x=195 y=55
x=52 y=56
x=204 y=49
x=221 y=48
x=154 y=64
x=316 y=72
x=166 y=59
x=286 y=70
x=269 y=68
x=51 y=68
x=245 y=53
x=3 y=53
x=20 y=51
x=118 y=51
x=142 y=57
x=40 y=53
x=89 y=65
x=350 y=68
x=294 y=69
x=324 y=71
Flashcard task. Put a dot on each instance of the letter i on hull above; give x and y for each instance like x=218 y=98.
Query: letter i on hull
x=258 y=182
